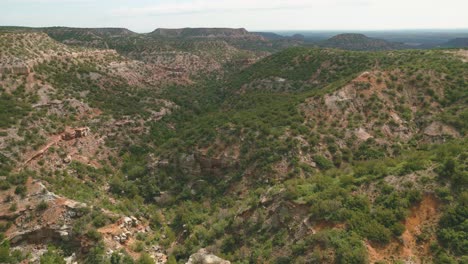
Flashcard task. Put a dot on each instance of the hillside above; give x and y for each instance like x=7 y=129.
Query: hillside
x=360 y=42
x=188 y=58
x=198 y=146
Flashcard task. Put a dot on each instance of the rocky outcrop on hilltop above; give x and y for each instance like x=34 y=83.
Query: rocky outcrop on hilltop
x=21 y=52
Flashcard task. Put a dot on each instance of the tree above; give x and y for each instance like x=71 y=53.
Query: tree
x=323 y=163
x=5 y=253
x=145 y=259
x=96 y=255
x=171 y=260
x=52 y=256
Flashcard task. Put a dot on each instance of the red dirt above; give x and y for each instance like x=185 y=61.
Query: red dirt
x=53 y=140
x=83 y=152
x=327 y=225
x=110 y=231
x=424 y=215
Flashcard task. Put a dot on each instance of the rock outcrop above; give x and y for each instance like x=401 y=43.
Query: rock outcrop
x=438 y=129
x=204 y=257
x=75 y=133
x=366 y=108
x=40 y=217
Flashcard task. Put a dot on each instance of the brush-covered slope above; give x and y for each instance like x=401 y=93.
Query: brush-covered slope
x=312 y=152
x=180 y=51
x=59 y=120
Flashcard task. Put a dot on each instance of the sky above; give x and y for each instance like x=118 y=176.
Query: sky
x=272 y=15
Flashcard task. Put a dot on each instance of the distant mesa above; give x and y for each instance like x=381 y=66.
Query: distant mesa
x=353 y=41
x=203 y=32
x=89 y=32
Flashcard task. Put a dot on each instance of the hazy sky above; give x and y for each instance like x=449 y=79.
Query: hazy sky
x=146 y=15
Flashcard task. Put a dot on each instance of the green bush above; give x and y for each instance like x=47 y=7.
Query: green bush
x=323 y=163
x=94 y=235
x=52 y=256
x=145 y=259
x=452 y=232
x=42 y=206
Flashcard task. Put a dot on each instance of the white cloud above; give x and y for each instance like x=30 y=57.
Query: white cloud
x=200 y=6
x=145 y=15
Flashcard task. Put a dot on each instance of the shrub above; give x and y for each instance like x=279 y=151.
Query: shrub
x=52 y=256
x=96 y=255
x=93 y=234
x=283 y=260
x=323 y=163
x=20 y=190
x=145 y=259
x=4 y=185
x=99 y=221
x=13 y=207
x=42 y=206
x=5 y=253
x=138 y=246
x=171 y=260
x=452 y=232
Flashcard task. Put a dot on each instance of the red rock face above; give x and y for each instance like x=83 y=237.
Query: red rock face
x=33 y=224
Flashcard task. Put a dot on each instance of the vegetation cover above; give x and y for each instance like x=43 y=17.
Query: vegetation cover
x=308 y=155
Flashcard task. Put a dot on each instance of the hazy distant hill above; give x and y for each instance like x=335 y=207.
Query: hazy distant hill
x=456 y=43
x=270 y=35
x=274 y=36
x=360 y=42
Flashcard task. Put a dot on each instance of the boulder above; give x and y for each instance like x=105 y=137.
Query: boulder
x=67 y=159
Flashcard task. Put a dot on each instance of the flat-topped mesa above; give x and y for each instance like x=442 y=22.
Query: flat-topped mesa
x=63 y=33
x=204 y=33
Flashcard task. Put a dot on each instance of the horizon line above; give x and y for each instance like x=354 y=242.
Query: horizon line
x=253 y=30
